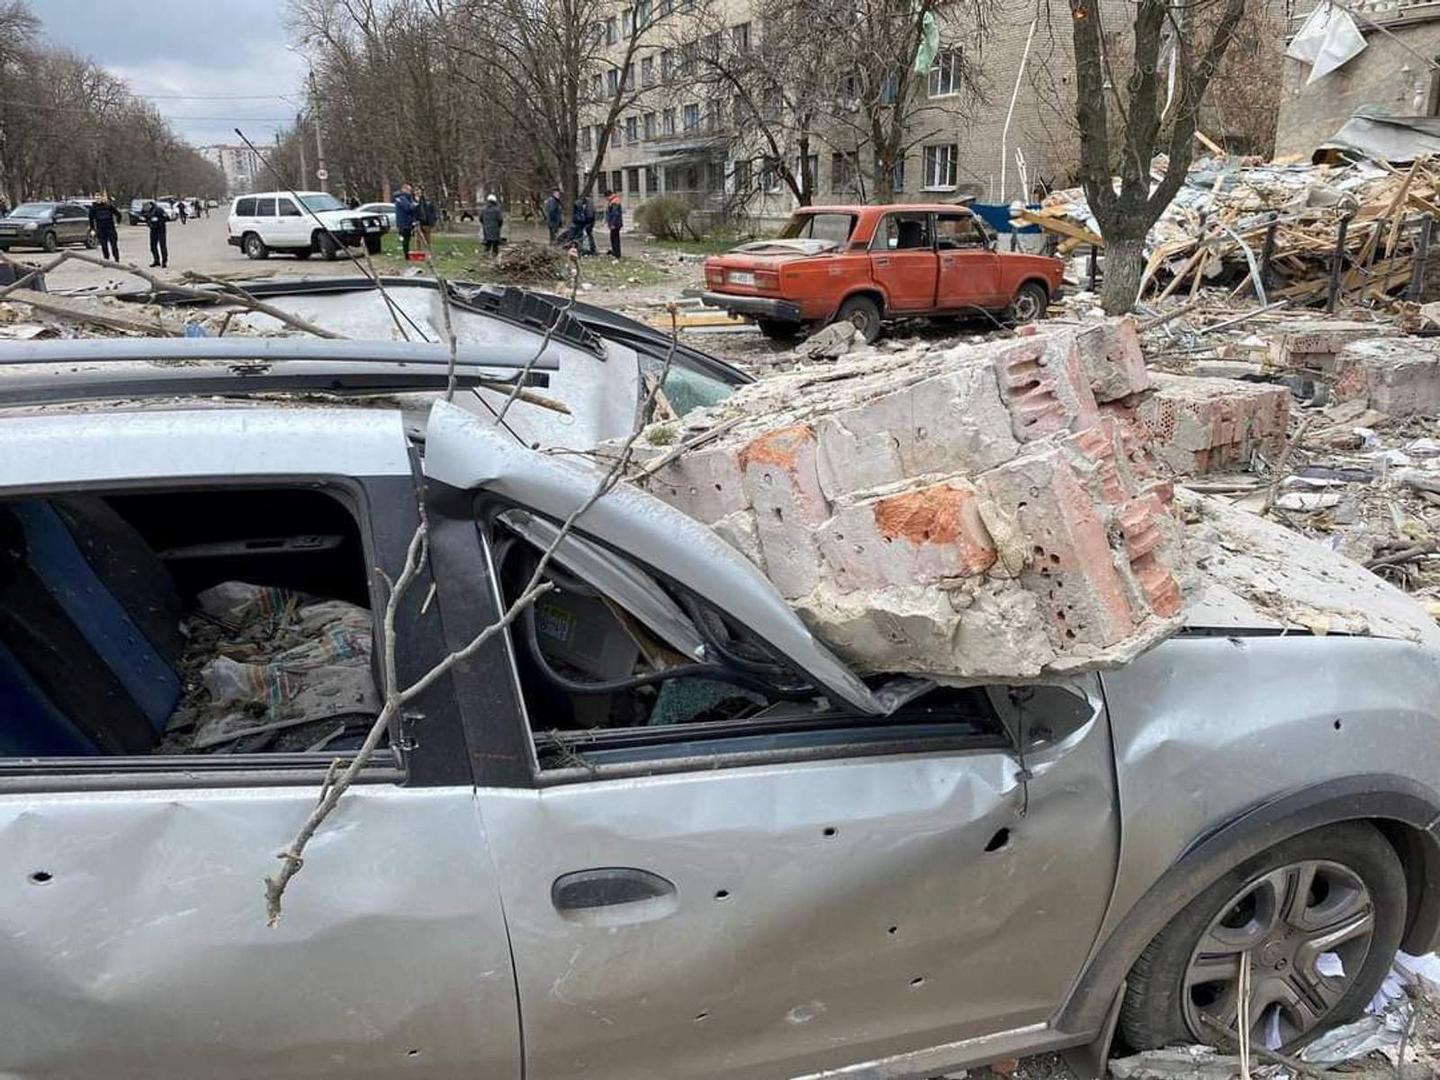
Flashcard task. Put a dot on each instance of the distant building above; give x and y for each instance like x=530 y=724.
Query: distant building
x=240 y=165
x=679 y=140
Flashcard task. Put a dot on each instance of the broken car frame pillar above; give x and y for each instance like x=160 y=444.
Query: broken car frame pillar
x=1267 y=256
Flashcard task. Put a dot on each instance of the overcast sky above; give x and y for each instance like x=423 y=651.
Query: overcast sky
x=209 y=65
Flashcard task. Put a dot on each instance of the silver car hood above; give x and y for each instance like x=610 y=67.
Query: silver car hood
x=467 y=452
x=1250 y=573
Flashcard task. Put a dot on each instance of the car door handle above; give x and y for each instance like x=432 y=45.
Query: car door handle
x=607 y=886
x=882 y=261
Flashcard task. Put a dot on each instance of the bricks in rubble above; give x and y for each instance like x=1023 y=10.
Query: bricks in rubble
x=967 y=512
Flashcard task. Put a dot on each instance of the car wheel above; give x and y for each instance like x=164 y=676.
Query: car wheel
x=254 y=247
x=50 y=242
x=1318 y=918
x=778 y=329
x=327 y=246
x=1030 y=303
x=90 y=242
x=864 y=313
x=372 y=245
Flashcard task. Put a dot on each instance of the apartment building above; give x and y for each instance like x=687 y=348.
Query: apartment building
x=239 y=164
x=683 y=135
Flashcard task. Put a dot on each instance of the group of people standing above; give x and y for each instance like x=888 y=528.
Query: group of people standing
x=583 y=218
x=415 y=212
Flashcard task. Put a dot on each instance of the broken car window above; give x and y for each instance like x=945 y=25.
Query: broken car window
x=823 y=226
x=903 y=232
x=194 y=622
x=958 y=231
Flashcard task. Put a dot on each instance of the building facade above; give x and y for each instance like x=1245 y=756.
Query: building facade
x=240 y=165
x=1007 y=133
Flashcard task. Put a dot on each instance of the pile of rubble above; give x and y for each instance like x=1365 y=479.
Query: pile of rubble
x=974 y=511
x=1231 y=215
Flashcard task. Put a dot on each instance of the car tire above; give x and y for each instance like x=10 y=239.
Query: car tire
x=254 y=247
x=50 y=242
x=1030 y=303
x=864 y=313
x=778 y=329
x=326 y=245
x=90 y=242
x=373 y=245
x=1352 y=879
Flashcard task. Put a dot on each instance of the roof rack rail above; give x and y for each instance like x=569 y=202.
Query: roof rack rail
x=254 y=350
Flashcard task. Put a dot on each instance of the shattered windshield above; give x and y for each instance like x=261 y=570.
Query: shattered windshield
x=320 y=203
x=827 y=226
x=33 y=210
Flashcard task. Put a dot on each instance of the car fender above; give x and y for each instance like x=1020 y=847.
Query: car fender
x=1386 y=799
x=868 y=288
x=1038 y=279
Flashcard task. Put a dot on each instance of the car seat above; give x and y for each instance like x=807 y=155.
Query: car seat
x=89 y=632
x=910 y=234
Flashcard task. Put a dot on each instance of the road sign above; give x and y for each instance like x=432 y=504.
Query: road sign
x=322 y=174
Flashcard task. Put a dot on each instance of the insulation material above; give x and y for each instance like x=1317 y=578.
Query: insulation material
x=966 y=512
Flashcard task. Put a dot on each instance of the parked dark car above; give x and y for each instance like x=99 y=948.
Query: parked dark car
x=46 y=225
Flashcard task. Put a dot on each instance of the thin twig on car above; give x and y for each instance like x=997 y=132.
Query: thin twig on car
x=293 y=857
x=444 y=287
x=573 y=254
x=158 y=284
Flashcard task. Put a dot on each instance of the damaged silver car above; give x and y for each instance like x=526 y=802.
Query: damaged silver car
x=657 y=829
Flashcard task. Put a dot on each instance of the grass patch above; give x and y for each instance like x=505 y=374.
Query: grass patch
x=462 y=258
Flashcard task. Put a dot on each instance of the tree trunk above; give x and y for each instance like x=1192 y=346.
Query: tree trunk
x=1124 y=263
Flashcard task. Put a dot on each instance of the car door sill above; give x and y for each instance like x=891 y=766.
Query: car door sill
x=964 y=1054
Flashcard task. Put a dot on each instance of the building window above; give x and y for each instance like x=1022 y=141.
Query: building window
x=715 y=176
x=599 y=138
x=844 y=171
x=632 y=181
x=647 y=71
x=715 y=114
x=809 y=166
x=652 y=180
x=667 y=123
x=740 y=173
x=612 y=81
x=666 y=7
x=691 y=117
x=848 y=91
x=585 y=139
x=617 y=179
x=770 y=102
x=632 y=130
x=890 y=88
x=627 y=22
x=612 y=31
x=897 y=176
x=688 y=53
x=712 y=45
x=945 y=73
x=644 y=11
x=649 y=125
x=740 y=37
x=597 y=87
x=770 y=178
x=667 y=64
x=940 y=162
x=630 y=78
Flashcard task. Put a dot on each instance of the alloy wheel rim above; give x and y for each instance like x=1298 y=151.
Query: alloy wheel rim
x=1306 y=929
x=1025 y=307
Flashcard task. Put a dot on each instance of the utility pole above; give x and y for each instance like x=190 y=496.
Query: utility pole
x=300 y=142
x=321 y=173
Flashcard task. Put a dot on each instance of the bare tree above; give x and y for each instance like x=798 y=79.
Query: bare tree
x=1126 y=124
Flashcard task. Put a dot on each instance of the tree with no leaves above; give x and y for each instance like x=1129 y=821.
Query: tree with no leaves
x=1124 y=125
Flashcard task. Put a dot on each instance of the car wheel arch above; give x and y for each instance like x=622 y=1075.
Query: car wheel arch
x=1032 y=279
x=1404 y=811
x=873 y=292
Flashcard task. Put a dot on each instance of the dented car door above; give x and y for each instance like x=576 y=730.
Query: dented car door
x=903 y=261
x=803 y=890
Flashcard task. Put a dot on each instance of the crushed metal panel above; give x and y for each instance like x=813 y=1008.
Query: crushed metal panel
x=468 y=452
x=83 y=448
x=133 y=942
x=791 y=949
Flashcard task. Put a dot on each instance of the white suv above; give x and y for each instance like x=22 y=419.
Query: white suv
x=274 y=221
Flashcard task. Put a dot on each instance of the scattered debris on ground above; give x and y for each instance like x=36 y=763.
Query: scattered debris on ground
x=526 y=262
x=1236 y=220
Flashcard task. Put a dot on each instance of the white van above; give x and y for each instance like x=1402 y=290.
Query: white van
x=275 y=221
